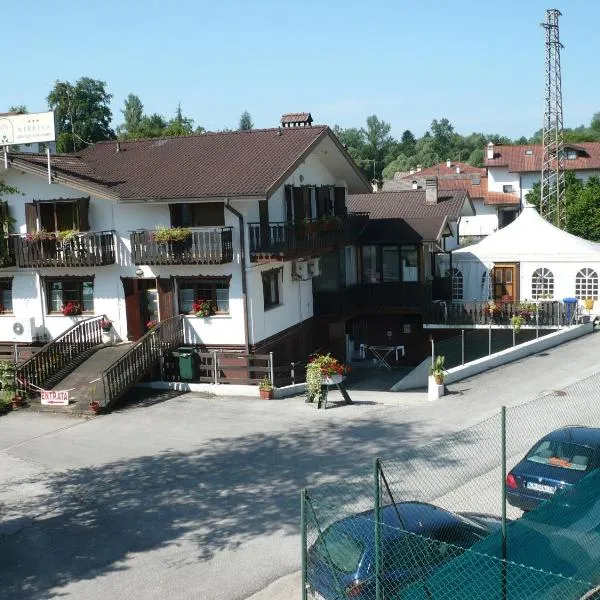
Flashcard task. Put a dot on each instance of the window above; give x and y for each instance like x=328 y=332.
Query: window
x=586 y=284
x=410 y=263
x=486 y=285
x=197 y=214
x=542 y=284
x=271 y=291
x=199 y=288
x=57 y=215
x=370 y=274
x=508 y=188
x=529 y=152
x=351 y=265
x=571 y=154
x=390 y=263
x=457 y=283
x=6 y=295
x=77 y=290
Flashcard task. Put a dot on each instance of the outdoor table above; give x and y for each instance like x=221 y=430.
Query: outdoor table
x=381 y=353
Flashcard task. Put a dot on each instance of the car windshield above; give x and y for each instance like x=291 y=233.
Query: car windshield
x=343 y=551
x=562 y=454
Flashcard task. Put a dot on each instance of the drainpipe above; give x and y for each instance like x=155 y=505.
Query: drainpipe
x=243 y=267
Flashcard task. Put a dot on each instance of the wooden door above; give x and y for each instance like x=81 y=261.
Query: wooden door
x=505 y=279
x=141 y=304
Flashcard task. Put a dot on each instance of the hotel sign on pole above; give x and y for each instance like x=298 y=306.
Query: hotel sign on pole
x=27 y=128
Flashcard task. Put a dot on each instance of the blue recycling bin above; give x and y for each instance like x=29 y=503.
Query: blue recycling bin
x=570 y=307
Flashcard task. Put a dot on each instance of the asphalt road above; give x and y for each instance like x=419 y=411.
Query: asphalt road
x=195 y=497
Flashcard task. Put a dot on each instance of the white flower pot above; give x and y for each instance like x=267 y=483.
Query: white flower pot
x=333 y=379
x=108 y=338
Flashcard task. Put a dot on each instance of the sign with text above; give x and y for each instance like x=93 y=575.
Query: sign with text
x=26 y=129
x=55 y=397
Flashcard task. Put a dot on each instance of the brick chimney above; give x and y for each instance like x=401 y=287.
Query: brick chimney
x=448 y=163
x=431 y=190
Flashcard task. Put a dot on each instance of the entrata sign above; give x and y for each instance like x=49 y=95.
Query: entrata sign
x=26 y=129
x=55 y=397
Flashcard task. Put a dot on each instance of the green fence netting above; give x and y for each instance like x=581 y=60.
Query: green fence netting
x=428 y=523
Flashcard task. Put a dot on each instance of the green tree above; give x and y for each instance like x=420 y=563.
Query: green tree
x=379 y=147
x=442 y=132
x=595 y=123
x=179 y=125
x=151 y=126
x=476 y=158
x=407 y=142
x=20 y=109
x=82 y=113
x=245 y=122
x=133 y=113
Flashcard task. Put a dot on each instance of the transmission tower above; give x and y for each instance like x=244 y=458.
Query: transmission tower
x=552 y=201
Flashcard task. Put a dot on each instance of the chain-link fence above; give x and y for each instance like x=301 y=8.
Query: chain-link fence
x=445 y=521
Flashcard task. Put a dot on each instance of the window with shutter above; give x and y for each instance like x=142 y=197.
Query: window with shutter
x=31 y=217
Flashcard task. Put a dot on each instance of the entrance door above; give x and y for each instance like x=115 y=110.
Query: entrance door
x=506 y=282
x=141 y=305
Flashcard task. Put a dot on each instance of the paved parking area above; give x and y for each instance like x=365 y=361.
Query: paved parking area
x=196 y=497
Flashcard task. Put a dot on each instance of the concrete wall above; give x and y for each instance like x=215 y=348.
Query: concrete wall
x=418 y=378
x=484 y=222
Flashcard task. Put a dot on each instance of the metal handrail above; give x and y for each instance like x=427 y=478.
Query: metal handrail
x=140 y=358
x=66 y=351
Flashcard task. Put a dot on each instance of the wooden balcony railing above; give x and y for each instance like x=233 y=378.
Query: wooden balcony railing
x=286 y=240
x=373 y=297
x=140 y=358
x=86 y=249
x=205 y=246
x=60 y=356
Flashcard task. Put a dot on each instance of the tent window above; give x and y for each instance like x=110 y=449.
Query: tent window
x=457 y=283
x=486 y=285
x=542 y=284
x=586 y=284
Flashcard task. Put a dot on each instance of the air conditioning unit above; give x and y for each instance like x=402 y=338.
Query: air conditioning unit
x=23 y=330
x=314 y=267
x=300 y=270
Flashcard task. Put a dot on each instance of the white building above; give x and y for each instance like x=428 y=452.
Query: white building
x=515 y=169
x=246 y=197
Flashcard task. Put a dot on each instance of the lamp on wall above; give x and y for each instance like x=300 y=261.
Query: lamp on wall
x=139 y=272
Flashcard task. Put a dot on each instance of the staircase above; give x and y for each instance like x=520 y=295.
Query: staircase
x=91 y=371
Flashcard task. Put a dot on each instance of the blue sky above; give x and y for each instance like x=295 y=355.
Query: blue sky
x=478 y=63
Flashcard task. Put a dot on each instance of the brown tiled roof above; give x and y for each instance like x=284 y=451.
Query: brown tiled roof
x=518 y=161
x=441 y=170
x=401 y=231
x=480 y=191
x=409 y=204
x=296 y=117
x=240 y=163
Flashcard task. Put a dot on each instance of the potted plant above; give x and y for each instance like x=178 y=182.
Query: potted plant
x=265 y=389
x=106 y=331
x=437 y=370
x=71 y=309
x=588 y=303
x=492 y=310
x=517 y=322
x=42 y=241
x=151 y=324
x=95 y=406
x=203 y=308
x=177 y=239
x=10 y=395
x=323 y=369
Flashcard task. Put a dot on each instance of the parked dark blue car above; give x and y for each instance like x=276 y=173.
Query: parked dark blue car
x=555 y=463
x=343 y=559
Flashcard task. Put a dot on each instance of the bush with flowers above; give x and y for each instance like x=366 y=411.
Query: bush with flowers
x=151 y=324
x=203 y=308
x=320 y=366
x=71 y=309
x=40 y=236
x=491 y=309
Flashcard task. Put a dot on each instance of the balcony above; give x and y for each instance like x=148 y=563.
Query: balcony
x=410 y=297
x=85 y=249
x=205 y=246
x=288 y=240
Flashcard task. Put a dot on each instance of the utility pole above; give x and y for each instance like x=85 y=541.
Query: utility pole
x=552 y=200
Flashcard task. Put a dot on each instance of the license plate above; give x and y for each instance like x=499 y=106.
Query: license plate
x=539 y=487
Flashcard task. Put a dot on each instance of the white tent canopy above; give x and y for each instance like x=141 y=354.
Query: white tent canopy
x=571 y=263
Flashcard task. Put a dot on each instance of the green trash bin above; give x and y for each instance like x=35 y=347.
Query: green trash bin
x=186 y=362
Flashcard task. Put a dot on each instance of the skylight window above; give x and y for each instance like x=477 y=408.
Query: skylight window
x=529 y=152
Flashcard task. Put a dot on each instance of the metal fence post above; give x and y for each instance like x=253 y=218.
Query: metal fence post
x=215 y=367
x=272 y=369
x=377 y=517
x=514 y=336
x=503 y=446
x=490 y=338
x=293 y=373
x=432 y=352
x=462 y=333
x=303 y=538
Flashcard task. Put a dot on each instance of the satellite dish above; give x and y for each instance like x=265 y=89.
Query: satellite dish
x=18 y=328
